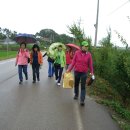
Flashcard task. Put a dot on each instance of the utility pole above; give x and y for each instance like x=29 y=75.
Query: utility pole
x=96 y=25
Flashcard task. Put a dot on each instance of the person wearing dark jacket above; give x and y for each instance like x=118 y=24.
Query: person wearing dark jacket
x=36 y=60
x=50 y=60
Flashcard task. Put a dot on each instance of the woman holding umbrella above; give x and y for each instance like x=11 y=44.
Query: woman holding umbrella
x=82 y=61
x=71 y=48
x=22 y=61
x=69 y=56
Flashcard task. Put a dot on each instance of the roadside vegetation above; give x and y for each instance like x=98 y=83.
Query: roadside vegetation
x=112 y=69
x=112 y=85
x=12 y=50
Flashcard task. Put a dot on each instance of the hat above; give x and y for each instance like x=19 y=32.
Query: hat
x=84 y=43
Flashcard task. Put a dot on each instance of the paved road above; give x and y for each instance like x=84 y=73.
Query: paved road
x=45 y=106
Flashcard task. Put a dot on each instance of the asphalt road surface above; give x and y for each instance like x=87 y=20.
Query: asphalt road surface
x=44 y=105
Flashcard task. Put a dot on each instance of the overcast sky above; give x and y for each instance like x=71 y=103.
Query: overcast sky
x=30 y=16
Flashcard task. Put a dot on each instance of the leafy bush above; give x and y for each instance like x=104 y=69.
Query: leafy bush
x=113 y=65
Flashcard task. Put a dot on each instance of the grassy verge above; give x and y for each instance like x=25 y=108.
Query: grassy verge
x=15 y=47
x=106 y=95
x=4 y=55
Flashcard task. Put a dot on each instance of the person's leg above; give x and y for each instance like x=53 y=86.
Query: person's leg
x=37 y=72
x=60 y=74
x=56 y=72
x=20 y=73
x=25 y=71
x=34 y=73
x=76 y=84
x=53 y=70
x=49 y=69
x=83 y=88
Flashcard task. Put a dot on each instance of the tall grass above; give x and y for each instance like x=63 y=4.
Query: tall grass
x=5 y=55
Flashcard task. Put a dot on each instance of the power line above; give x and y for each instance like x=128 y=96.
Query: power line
x=119 y=7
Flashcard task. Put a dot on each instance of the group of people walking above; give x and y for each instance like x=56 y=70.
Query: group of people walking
x=80 y=62
x=34 y=58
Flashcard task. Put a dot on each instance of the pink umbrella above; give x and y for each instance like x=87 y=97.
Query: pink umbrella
x=73 y=46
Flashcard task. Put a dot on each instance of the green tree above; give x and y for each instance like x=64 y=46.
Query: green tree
x=65 y=39
x=122 y=75
x=77 y=32
x=6 y=32
x=13 y=34
x=2 y=35
x=50 y=36
x=122 y=72
x=113 y=65
x=79 y=35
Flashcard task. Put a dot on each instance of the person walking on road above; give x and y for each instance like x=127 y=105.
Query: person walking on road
x=59 y=64
x=69 y=56
x=36 y=61
x=22 y=61
x=81 y=62
x=50 y=64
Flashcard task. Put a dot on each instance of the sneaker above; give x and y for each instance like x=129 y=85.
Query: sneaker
x=82 y=103
x=38 y=79
x=20 y=82
x=75 y=97
x=34 y=82
x=58 y=84
x=26 y=77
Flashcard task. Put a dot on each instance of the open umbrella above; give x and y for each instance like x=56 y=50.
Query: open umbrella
x=27 y=38
x=54 y=46
x=73 y=46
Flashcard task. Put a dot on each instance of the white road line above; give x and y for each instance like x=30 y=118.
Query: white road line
x=78 y=117
x=79 y=121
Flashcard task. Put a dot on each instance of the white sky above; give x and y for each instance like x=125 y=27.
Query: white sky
x=30 y=16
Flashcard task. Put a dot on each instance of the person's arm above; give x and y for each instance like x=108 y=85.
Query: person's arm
x=64 y=58
x=44 y=54
x=17 y=56
x=31 y=58
x=16 y=62
x=41 y=59
x=72 y=64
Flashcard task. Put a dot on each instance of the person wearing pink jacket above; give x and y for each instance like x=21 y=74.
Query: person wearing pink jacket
x=82 y=62
x=22 y=61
